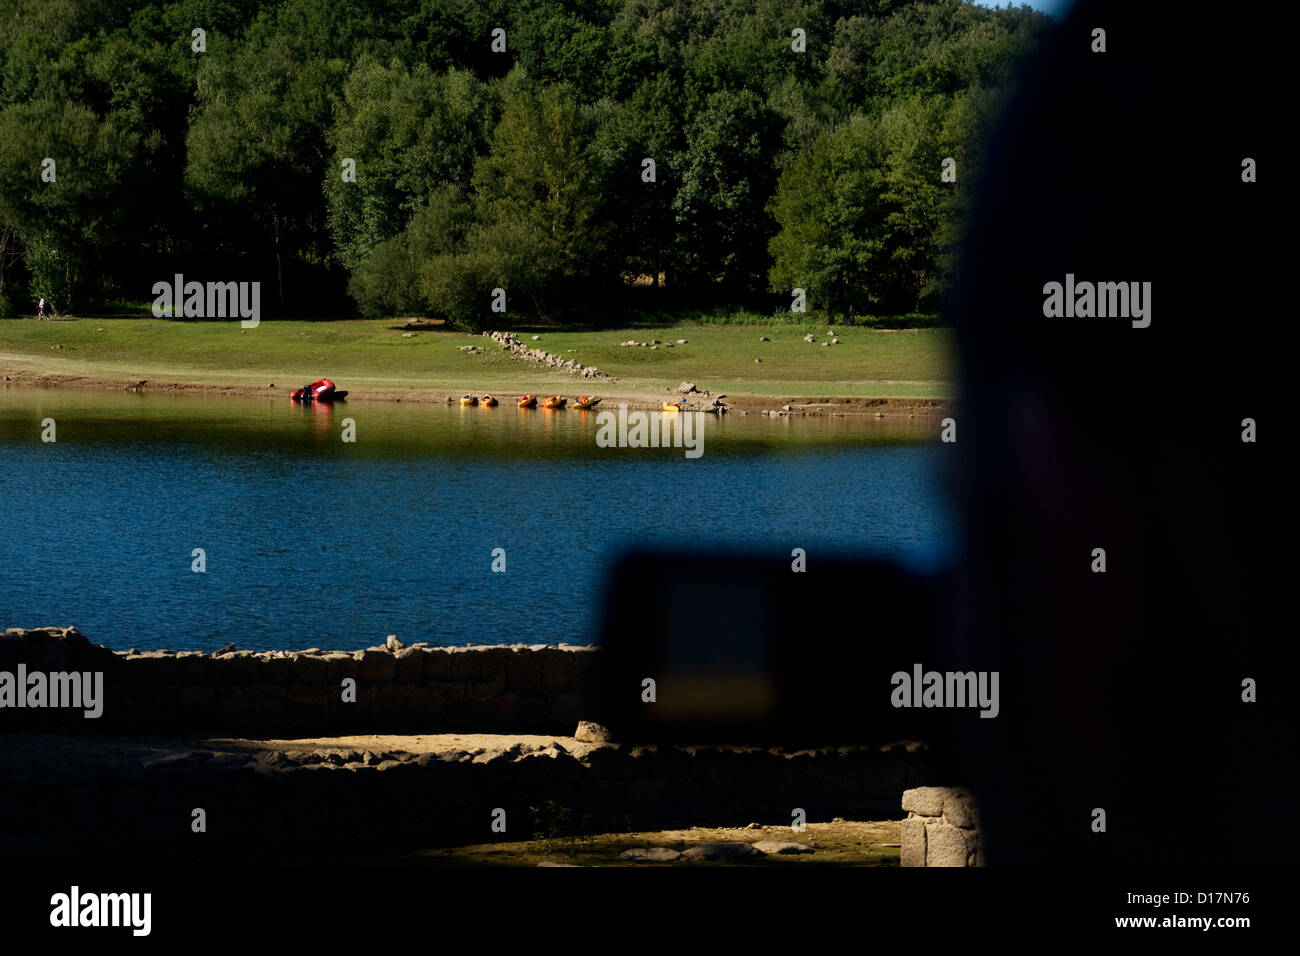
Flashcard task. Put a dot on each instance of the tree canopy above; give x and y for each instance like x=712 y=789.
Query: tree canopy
x=390 y=157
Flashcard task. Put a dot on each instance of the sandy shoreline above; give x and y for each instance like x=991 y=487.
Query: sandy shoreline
x=800 y=405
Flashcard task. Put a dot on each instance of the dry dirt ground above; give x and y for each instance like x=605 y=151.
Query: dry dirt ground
x=916 y=408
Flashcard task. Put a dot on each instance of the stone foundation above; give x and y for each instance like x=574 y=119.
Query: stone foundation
x=420 y=689
x=260 y=743
x=64 y=796
x=941 y=829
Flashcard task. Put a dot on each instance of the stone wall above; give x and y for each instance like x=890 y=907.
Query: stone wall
x=473 y=730
x=941 y=829
x=63 y=796
x=417 y=689
x=512 y=344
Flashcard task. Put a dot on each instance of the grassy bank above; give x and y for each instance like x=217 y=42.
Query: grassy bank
x=382 y=354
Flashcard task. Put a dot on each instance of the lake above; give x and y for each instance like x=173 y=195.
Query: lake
x=310 y=541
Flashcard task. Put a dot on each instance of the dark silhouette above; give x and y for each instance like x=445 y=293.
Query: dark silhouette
x=1123 y=690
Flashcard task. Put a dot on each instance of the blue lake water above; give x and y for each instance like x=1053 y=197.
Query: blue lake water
x=314 y=542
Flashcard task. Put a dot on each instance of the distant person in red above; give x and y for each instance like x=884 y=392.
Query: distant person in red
x=40 y=308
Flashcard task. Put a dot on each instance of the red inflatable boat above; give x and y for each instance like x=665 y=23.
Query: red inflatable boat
x=321 y=390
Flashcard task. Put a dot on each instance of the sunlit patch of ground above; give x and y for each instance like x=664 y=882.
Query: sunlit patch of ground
x=840 y=843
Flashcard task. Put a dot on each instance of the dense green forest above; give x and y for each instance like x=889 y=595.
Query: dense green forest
x=795 y=143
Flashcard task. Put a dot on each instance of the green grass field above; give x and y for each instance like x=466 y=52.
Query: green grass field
x=374 y=353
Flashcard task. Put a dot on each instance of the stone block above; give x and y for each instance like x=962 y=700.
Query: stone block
x=927 y=801
x=228 y=709
x=274 y=670
x=524 y=672
x=338 y=665
x=487 y=689
x=307 y=707
x=946 y=845
x=232 y=670
x=307 y=669
x=470 y=666
x=959 y=809
x=532 y=712
x=152 y=669
x=557 y=670
x=913 y=849
x=437 y=665
x=500 y=711
x=410 y=665
x=376 y=666
x=266 y=704
x=192 y=667
x=195 y=703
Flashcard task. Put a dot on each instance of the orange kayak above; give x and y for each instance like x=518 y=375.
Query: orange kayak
x=527 y=401
x=555 y=401
x=488 y=400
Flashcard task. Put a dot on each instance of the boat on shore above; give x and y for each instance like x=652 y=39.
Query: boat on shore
x=321 y=390
x=676 y=406
x=555 y=401
x=526 y=401
x=584 y=402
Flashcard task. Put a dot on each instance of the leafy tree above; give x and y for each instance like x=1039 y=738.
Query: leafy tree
x=508 y=254
x=408 y=131
x=863 y=212
x=64 y=225
x=726 y=180
x=457 y=33
x=388 y=282
x=638 y=215
x=257 y=143
x=33 y=33
x=536 y=201
x=233 y=155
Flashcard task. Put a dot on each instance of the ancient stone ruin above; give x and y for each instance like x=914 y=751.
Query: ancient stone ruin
x=941 y=829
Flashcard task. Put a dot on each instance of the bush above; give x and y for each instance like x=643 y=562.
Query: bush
x=508 y=254
x=388 y=282
x=7 y=310
x=459 y=287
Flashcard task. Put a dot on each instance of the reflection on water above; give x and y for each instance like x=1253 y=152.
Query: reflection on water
x=313 y=541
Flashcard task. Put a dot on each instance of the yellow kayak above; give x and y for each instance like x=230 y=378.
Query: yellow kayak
x=488 y=400
x=585 y=402
x=468 y=400
x=674 y=406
